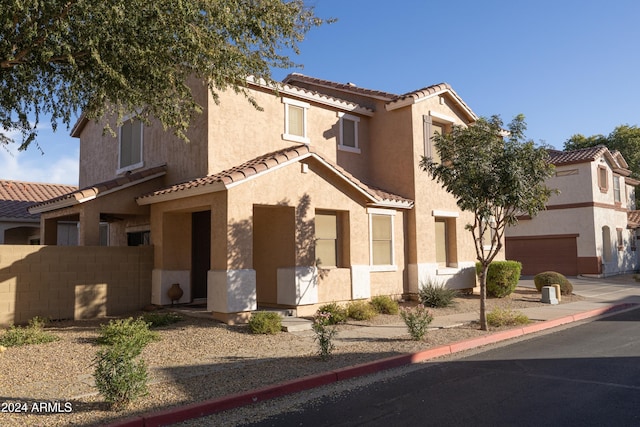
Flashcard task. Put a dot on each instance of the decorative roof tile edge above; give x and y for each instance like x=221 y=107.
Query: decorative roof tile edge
x=267 y=163
x=100 y=189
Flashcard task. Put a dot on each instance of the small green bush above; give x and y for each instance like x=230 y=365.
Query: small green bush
x=502 y=277
x=337 y=314
x=265 y=322
x=505 y=317
x=361 y=310
x=33 y=333
x=417 y=320
x=384 y=304
x=436 y=295
x=132 y=335
x=552 y=278
x=157 y=320
x=119 y=378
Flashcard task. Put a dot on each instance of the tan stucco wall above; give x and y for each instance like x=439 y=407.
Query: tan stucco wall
x=72 y=282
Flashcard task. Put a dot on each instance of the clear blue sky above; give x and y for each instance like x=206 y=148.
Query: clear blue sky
x=569 y=66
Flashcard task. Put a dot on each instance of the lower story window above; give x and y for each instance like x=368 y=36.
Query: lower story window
x=326 y=239
x=445 y=242
x=381 y=232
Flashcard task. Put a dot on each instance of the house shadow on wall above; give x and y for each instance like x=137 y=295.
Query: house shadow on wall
x=63 y=282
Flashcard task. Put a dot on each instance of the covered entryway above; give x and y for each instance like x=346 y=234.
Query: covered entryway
x=547 y=253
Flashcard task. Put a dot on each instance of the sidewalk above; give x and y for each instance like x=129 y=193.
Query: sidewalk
x=602 y=297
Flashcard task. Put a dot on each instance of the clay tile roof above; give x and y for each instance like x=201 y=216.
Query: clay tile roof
x=92 y=191
x=348 y=87
x=17 y=196
x=271 y=160
x=582 y=155
x=425 y=91
x=633 y=219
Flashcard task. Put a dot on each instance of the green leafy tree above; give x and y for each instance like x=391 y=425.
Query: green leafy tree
x=58 y=57
x=624 y=138
x=496 y=176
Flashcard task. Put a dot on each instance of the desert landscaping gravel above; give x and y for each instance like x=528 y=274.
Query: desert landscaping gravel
x=196 y=359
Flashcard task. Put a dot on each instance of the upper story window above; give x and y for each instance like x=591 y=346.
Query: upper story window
x=349 y=133
x=603 y=182
x=434 y=124
x=295 y=120
x=616 y=189
x=130 y=145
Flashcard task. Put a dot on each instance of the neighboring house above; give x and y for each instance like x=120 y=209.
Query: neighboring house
x=17 y=225
x=590 y=226
x=317 y=198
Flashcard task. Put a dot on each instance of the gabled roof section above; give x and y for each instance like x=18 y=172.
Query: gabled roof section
x=441 y=89
x=91 y=192
x=266 y=163
x=590 y=154
x=17 y=196
x=392 y=100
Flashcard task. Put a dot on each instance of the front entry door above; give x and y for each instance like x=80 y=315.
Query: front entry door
x=200 y=252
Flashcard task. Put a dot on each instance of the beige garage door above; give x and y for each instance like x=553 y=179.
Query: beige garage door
x=544 y=254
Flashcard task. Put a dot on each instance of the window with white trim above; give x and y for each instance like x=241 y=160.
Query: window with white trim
x=349 y=133
x=445 y=242
x=295 y=120
x=326 y=227
x=130 y=142
x=381 y=239
x=616 y=189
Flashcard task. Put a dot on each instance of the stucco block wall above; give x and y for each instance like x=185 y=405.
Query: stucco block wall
x=62 y=282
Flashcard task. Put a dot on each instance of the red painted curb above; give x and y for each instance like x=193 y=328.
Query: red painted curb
x=200 y=409
x=431 y=353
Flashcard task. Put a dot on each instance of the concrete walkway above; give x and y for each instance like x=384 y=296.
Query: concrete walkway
x=602 y=296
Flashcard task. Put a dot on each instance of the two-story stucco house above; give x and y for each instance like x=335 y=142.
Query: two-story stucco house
x=589 y=227
x=317 y=198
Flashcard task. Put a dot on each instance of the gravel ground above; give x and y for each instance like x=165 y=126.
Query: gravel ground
x=196 y=359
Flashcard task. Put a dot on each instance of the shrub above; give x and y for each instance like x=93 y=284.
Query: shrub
x=33 y=333
x=324 y=332
x=361 y=310
x=129 y=334
x=505 y=317
x=337 y=314
x=502 y=277
x=157 y=320
x=265 y=322
x=384 y=304
x=118 y=377
x=417 y=320
x=551 y=278
x=436 y=295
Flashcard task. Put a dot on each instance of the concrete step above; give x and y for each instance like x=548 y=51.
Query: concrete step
x=296 y=324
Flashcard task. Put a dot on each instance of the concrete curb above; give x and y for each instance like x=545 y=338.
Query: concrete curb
x=209 y=407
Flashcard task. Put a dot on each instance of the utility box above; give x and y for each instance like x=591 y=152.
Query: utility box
x=549 y=295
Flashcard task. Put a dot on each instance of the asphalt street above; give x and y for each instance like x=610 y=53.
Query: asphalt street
x=587 y=375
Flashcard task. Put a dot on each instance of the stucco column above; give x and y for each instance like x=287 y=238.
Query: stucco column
x=89 y=234
x=49 y=231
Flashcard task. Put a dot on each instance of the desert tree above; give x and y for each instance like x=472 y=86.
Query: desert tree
x=59 y=57
x=496 y=174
